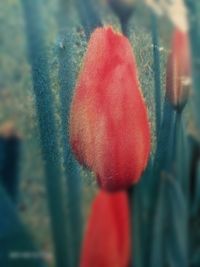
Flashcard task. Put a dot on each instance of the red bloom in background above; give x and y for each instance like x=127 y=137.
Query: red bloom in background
x=178 y=81
x=109 y=128
x=107 y=237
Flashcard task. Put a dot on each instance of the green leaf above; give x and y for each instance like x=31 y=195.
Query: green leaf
x=47 y=127
x=17 y=248
x=170 y=233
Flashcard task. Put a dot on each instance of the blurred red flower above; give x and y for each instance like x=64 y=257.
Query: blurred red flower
x=109 y=128
x=107 y=238
x=178 y=80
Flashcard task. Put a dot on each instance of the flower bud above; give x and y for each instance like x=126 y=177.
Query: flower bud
x=109 y=128
x=107 y=238
x=178 y=80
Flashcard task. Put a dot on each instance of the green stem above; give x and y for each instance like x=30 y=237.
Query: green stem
x=89 y=16
x=161 y=164
x=9 y=164
x=141 y=222
x=165 y=138
x=157 y=72
x=180 y=155
x=194 y=157
x=173 y=157
x=72 y=172
x=193 y=7
x=46 y=119
x=125 y=25
x=14 y=238
x=194 y=32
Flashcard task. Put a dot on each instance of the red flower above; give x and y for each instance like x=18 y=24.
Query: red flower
x=107 y=237
x=109 y=129
x=178 y=82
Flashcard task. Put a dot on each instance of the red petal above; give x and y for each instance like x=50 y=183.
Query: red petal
x=107 y=238
x=109 y=127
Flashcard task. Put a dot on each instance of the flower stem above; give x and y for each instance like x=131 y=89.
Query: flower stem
x=157 y=74
x=46 y=119
x=71 y=168
x=194 y=32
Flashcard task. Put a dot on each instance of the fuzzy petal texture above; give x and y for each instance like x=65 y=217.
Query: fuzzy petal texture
x=107 y=238
x=109 y=128
x=178 y=83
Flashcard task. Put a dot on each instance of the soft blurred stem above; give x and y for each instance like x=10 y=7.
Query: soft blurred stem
x=169 y=247
x=181 y=154
x=160 y=164
x=89 y=16
x=194 y=197
x=125 y=25
x=174 y=155
x=194 y=158
x=193 y=8
x=195 y=207
x=175 y=169
x=10 y=147
x=181 y=173
x=73 y=179
x=165 y=138
x=141 y=227
x=14 y=238
x=46 y=119
x=157 y=74
x=194 y=32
